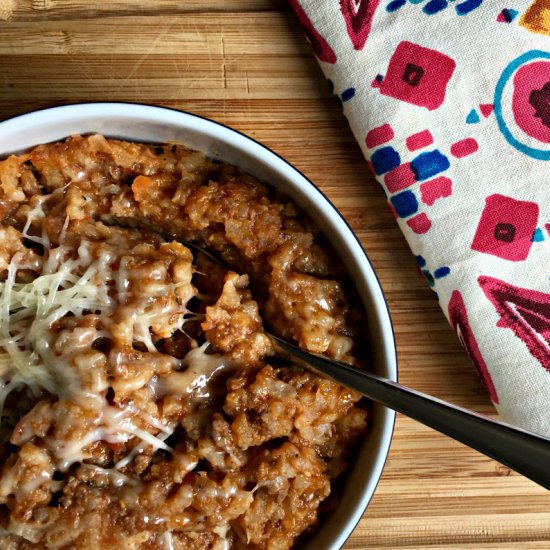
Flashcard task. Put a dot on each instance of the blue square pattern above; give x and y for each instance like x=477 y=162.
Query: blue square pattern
x=385 y=159
x=405 y=204
x=394 y=5
x=429 y=164
x=441 y=272
x=348 y=94
x=467 y=6
x=434 y=6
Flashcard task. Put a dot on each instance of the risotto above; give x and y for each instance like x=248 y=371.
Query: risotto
x=142 y=404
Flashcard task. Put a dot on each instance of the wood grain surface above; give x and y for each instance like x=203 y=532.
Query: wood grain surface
x=245 y=63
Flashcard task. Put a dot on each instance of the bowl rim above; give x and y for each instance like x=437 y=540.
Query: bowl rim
x=28 y=117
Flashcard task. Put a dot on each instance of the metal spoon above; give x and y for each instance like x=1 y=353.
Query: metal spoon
x=525 y=452
x=522 y=451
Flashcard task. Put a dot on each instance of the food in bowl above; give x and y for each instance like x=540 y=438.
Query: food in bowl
x=142 y=403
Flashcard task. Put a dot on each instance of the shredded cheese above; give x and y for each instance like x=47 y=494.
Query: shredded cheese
x=75 y=285
x=28 y=311
x=167 y=540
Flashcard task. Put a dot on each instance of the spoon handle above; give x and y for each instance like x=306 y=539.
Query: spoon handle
x=524 y=452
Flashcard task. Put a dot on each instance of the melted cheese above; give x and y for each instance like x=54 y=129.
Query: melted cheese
x=221 y=531
x=195 y=381
x=167 y=540
x=75 y=283
x=28 y=311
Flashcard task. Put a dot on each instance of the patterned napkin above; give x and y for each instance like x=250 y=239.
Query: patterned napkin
x=450 y=103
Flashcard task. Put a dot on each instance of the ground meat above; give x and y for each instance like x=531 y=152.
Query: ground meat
x=263 y=410
x=234 y=326
x=12 y=244
x=290 y=484
x=26 y=480
x=142 y=406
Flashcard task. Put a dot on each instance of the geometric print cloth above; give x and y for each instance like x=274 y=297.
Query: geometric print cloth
x=450 y=103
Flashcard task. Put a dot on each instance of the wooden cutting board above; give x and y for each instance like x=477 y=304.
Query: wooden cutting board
x=245 y=63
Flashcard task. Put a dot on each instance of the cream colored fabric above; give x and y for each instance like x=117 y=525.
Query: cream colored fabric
x=450 y=103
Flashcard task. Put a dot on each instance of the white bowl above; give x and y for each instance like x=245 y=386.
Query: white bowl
x=160 y=125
